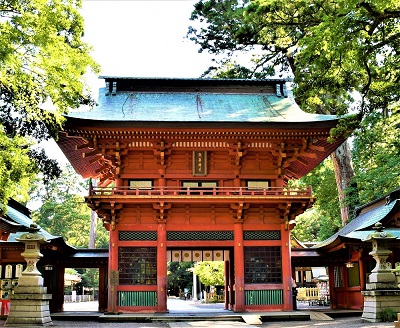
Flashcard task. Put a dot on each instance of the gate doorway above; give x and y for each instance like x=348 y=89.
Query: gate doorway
x=199 y=280
x=81 y=290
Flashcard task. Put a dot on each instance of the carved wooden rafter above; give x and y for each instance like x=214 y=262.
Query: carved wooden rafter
x=107 y=212
x=238 y=211
x=287 y=154
x=237 y=150
x=161 y=151
x=284 y=213
x=161 y=209
x=107 y=155
x=115 y=154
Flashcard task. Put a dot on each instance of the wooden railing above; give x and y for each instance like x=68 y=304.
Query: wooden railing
x=199 y=191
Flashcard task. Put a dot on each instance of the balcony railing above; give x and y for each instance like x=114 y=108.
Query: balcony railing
x=199 y=191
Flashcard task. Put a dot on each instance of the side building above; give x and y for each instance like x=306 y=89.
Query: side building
x=194 y=170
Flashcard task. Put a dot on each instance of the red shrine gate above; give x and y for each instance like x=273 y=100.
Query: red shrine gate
x=197 y=165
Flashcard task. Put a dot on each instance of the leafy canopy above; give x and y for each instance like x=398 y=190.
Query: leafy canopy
x=210 y=273
x=323 y=220
x=344 y=57
x=343 y=53
x=65 y=213
x=179 y=277
x=376 y=156
x=16 y=169
x=42 y=61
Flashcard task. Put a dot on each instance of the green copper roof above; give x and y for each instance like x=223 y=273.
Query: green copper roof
x=24 y=221
x=196 y=107
x=361 y=226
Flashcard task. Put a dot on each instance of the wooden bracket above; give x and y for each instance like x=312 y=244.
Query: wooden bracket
x=161 y=209
x=237 y=151
x=238 y=211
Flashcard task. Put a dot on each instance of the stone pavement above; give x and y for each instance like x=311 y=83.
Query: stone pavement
x=191 y=308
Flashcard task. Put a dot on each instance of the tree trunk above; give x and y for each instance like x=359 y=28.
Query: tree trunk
x=344 y=172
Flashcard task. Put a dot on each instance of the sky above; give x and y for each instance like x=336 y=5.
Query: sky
x=139 y=38
x=143 y=38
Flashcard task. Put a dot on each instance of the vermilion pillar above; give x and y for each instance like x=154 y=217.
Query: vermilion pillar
x=227 y=282
x=113 y=272
x=161 y=268
x=286 y=270
x=239 y=267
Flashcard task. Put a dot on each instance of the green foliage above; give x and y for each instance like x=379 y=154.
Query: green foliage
x=210 y=273
x=42 y=60
x=337 y=51
x=90 y=277
x=179 y=276
x=323 y=220
x=344 y=58
x=376 y=156
x=17 y=172
x=308 y=226
x=65 y=213
x=388 y=315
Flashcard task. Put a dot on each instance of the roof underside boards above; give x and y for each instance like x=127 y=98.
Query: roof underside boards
x=8 y=225
x=360 y=227
x=297 y=252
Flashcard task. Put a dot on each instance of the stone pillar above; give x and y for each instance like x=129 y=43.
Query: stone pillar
x=30 y=301
x=382 y=291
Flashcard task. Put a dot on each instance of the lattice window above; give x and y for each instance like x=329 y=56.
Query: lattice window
x=137 y=265
x=137 y=235
x=199 y=235
x=262 y=235
x=262 y=265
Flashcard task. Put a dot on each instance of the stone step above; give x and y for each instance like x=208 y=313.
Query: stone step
x=252 y=319
x=319 y=316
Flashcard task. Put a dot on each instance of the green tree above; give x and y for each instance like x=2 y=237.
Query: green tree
x=210 y=273
x=323 y=220
x=90 y=277
x=42 y=60
x=65 y=213
x=17 y=172
x=376 y=156
x=179 y=276
x=342 y=54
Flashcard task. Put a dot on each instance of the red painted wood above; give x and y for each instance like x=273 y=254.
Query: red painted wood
x=239 y=305
x=161 y=268
x=226 y=287
x=112 y=266
x=286 y=270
